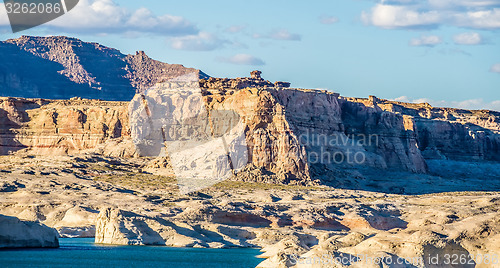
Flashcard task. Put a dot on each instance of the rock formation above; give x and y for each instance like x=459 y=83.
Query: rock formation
x=61 y=127
x=327 y=176
x=293 y=136
x=46 y=67
x=24 y=234
x=126 y=205
x=255 y=80
x=114 y=226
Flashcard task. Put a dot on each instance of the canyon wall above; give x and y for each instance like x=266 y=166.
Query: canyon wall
x=293 y=135
x=49 y=127
x=448 y=133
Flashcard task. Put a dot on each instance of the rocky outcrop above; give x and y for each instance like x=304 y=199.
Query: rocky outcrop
x=23 y=234
x=390 y=136
x=293 y=136
x=306 y=134
x=115 y=226
x=61 y=127
x=255 y=80
x=292 y=224
x=47 y=67
x=144 y=72
x=124 y=228
x=448 y=133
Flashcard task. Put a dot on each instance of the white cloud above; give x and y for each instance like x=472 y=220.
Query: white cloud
x=472 y=104
x=280 y=35
x=202 y=41
x=429 y=41
x=484 y=19
x=428 y=14
x=495 y=68
x=106 y=16
x=242 y=59
x=390 y=17
x=328 y=19
x=468 y=39
x=454 y=4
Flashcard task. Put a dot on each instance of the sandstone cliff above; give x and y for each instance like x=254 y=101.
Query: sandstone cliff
x=46 y=67
x=61 y=127
x=24 y=234
x=294 y=136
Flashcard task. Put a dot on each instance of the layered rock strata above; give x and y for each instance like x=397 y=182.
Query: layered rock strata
x=61 y=127
x=293 y=135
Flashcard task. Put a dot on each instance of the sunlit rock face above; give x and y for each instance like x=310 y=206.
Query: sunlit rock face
x=290 y=136
x=15 y=233
x=274 y=133
x=58 y=127
x=203 y=146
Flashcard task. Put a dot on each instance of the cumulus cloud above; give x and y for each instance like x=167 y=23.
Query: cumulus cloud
x=328 y=19
x=202 y=41
x=484 y=19
x=106 y=16
x=280 y=35
x=394 y=16
x=429 y=41
x=472 y=104
x=468 y=39
x=495 y=68
x=242 y=59
x=429 y=14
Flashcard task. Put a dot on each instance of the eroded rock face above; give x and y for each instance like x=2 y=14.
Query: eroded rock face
x=293 y=136
x=447 y=133
x=392 y=137
x=46 y=67
x=61 y=127
x=15 y=233
x=303 y=135
x=255 y=80
x=114 y=226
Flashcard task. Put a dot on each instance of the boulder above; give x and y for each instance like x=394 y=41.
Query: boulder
x=15 y=233
x=118 y=227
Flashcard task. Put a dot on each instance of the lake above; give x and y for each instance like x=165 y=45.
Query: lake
x=82 y=252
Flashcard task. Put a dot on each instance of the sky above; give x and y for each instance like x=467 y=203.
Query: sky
x=445 y=52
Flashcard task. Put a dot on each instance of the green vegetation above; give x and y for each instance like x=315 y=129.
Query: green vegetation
x=231 y=185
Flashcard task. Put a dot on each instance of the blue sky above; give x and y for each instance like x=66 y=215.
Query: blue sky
x=446 y=52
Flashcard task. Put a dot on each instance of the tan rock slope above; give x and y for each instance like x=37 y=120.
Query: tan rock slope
x=115 y=201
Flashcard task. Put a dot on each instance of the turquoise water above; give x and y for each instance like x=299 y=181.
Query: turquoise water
x=82 y=252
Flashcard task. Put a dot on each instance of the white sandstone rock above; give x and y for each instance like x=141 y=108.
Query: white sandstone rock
x=15 y=233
